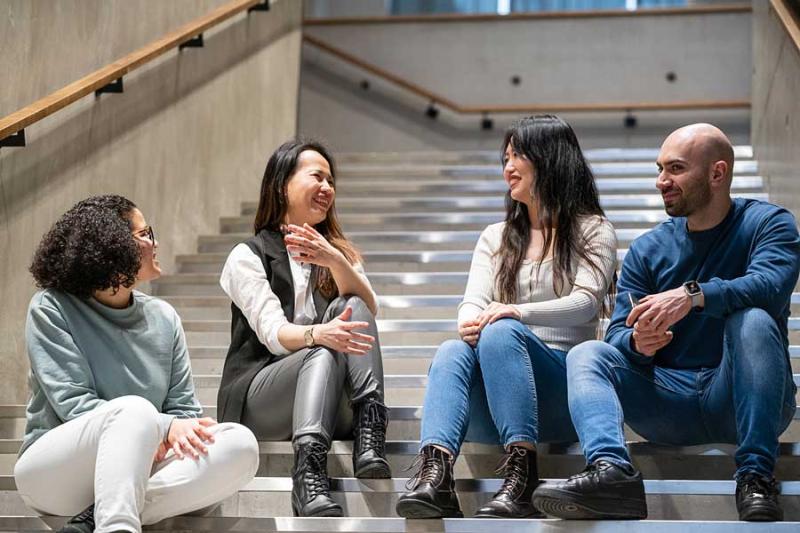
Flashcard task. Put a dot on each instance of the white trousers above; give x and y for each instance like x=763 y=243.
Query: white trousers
x=105 y=457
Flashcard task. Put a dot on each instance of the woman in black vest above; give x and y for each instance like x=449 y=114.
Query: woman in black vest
x=304 y=362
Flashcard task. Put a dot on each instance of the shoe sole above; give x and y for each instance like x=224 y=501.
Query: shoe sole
x=409 y=508
x=762 y=514
x=329 y=512
x=567 y=506
x=530 y=515
x=374 y=471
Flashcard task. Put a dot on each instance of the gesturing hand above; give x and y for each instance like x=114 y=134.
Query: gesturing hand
x=648 y=341
x=339 y=334
x=495 y=311
x=188 y=436
x=660 y=311
x=470 y=332
x=307 y=245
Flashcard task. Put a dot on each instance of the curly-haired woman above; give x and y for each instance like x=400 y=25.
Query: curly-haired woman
x=298 y=367
x=113 y=426
x=535 y=289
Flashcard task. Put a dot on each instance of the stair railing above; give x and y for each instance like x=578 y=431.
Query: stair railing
x=789 y=18
x=108 y=79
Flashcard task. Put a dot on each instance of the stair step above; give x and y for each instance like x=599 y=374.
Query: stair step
x=478 y=204
x=459 y=219
x=396 y=240
x=400 y=525
x=362 y=187
x=600 y=169
x=741 y=153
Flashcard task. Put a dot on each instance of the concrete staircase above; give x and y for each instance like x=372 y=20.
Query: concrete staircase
x=416 y=218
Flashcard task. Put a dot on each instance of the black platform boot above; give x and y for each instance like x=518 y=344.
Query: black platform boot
x=434 y=488
x=369 y=440
x=310 y=484
x=515 y=497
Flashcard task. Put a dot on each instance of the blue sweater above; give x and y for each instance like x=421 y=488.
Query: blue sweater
x=83 y=353
x=751 y=259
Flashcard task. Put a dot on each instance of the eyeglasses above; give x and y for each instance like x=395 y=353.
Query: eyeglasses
x=147 y=232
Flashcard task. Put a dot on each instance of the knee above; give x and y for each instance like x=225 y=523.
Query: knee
x=750 y=323
x=360 y=308
x=240 y=447
x=502 y=331
x=453 y=355
x=134 y=408
x=591 y=356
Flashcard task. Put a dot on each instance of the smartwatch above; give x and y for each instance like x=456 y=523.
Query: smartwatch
x=308 y=336
x=694 y=292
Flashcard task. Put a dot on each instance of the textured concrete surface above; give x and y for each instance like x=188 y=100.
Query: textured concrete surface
x=776 y=106
x=187 y=141
x=573 y=60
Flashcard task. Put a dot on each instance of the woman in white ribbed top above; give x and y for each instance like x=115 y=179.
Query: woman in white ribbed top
x=536 y=288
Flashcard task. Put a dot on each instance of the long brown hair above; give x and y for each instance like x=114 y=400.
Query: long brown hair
x=273 y=205
x=565 y=190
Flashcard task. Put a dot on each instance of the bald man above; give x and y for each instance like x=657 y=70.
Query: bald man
x=703 y=356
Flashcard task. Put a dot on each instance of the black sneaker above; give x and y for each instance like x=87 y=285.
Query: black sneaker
x=80 y=523
x=602 y=491
x=757 y=498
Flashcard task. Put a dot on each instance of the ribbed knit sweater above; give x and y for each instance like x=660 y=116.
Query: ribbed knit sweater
x=560 y=320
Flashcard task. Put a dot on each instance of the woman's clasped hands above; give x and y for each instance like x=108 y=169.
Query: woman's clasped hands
x=307 y=245
x=470 y=330
x=187 y=436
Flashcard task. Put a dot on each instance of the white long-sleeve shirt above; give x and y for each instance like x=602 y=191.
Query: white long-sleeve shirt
x=245 y=282
x=563 y=321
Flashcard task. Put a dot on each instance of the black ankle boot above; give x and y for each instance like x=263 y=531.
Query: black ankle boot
x=433 y=488
x=602 y=491
x=757 y=498
x=514 y=499
x=369 y=440
x=310 y=484
x=80 y=523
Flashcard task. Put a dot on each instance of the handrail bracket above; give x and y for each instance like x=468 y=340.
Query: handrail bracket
x=194 y=42
x=113 y=87
x=263 y=6
x=15 y=140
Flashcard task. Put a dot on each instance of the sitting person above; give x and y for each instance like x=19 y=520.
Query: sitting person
x=536 y=288
x=702 y=358
x=113 y=425
x=298 y=366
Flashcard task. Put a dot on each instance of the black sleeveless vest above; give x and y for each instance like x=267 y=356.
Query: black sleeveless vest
x=247 y=355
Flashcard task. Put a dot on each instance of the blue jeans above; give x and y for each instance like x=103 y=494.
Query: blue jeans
x=748 y=400
x=510 y=388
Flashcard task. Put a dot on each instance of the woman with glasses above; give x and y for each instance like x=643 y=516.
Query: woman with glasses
x=536 y=287
x=113 y=426
x=304 y=362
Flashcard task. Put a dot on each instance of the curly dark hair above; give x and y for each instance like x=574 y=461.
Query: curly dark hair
x=90 y=248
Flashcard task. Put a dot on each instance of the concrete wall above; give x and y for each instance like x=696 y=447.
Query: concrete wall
x=563 y=60
x=776 y=107
x=187 y=141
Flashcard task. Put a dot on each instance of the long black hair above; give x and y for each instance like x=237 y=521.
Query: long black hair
x=273 y=204
x=565 y=191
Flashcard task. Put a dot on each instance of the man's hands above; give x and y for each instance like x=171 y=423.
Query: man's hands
x=652 y=317
x=339 y=334
x=187 y=436
x=470 y=331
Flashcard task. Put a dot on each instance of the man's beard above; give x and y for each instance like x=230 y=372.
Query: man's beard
x=690 y=200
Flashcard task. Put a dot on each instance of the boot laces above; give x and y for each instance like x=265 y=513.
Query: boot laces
x=512 y=468
x=751 y=482
x=428 y=470
x=315 y=478
x=371 y=428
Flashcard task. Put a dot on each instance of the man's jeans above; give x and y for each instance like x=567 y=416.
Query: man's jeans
x=747 y=400
x=510 y=388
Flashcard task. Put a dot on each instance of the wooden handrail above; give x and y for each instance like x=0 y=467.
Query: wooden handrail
x=734 y=7
x=63 y=97
x=789 y=19
x=527 y=108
